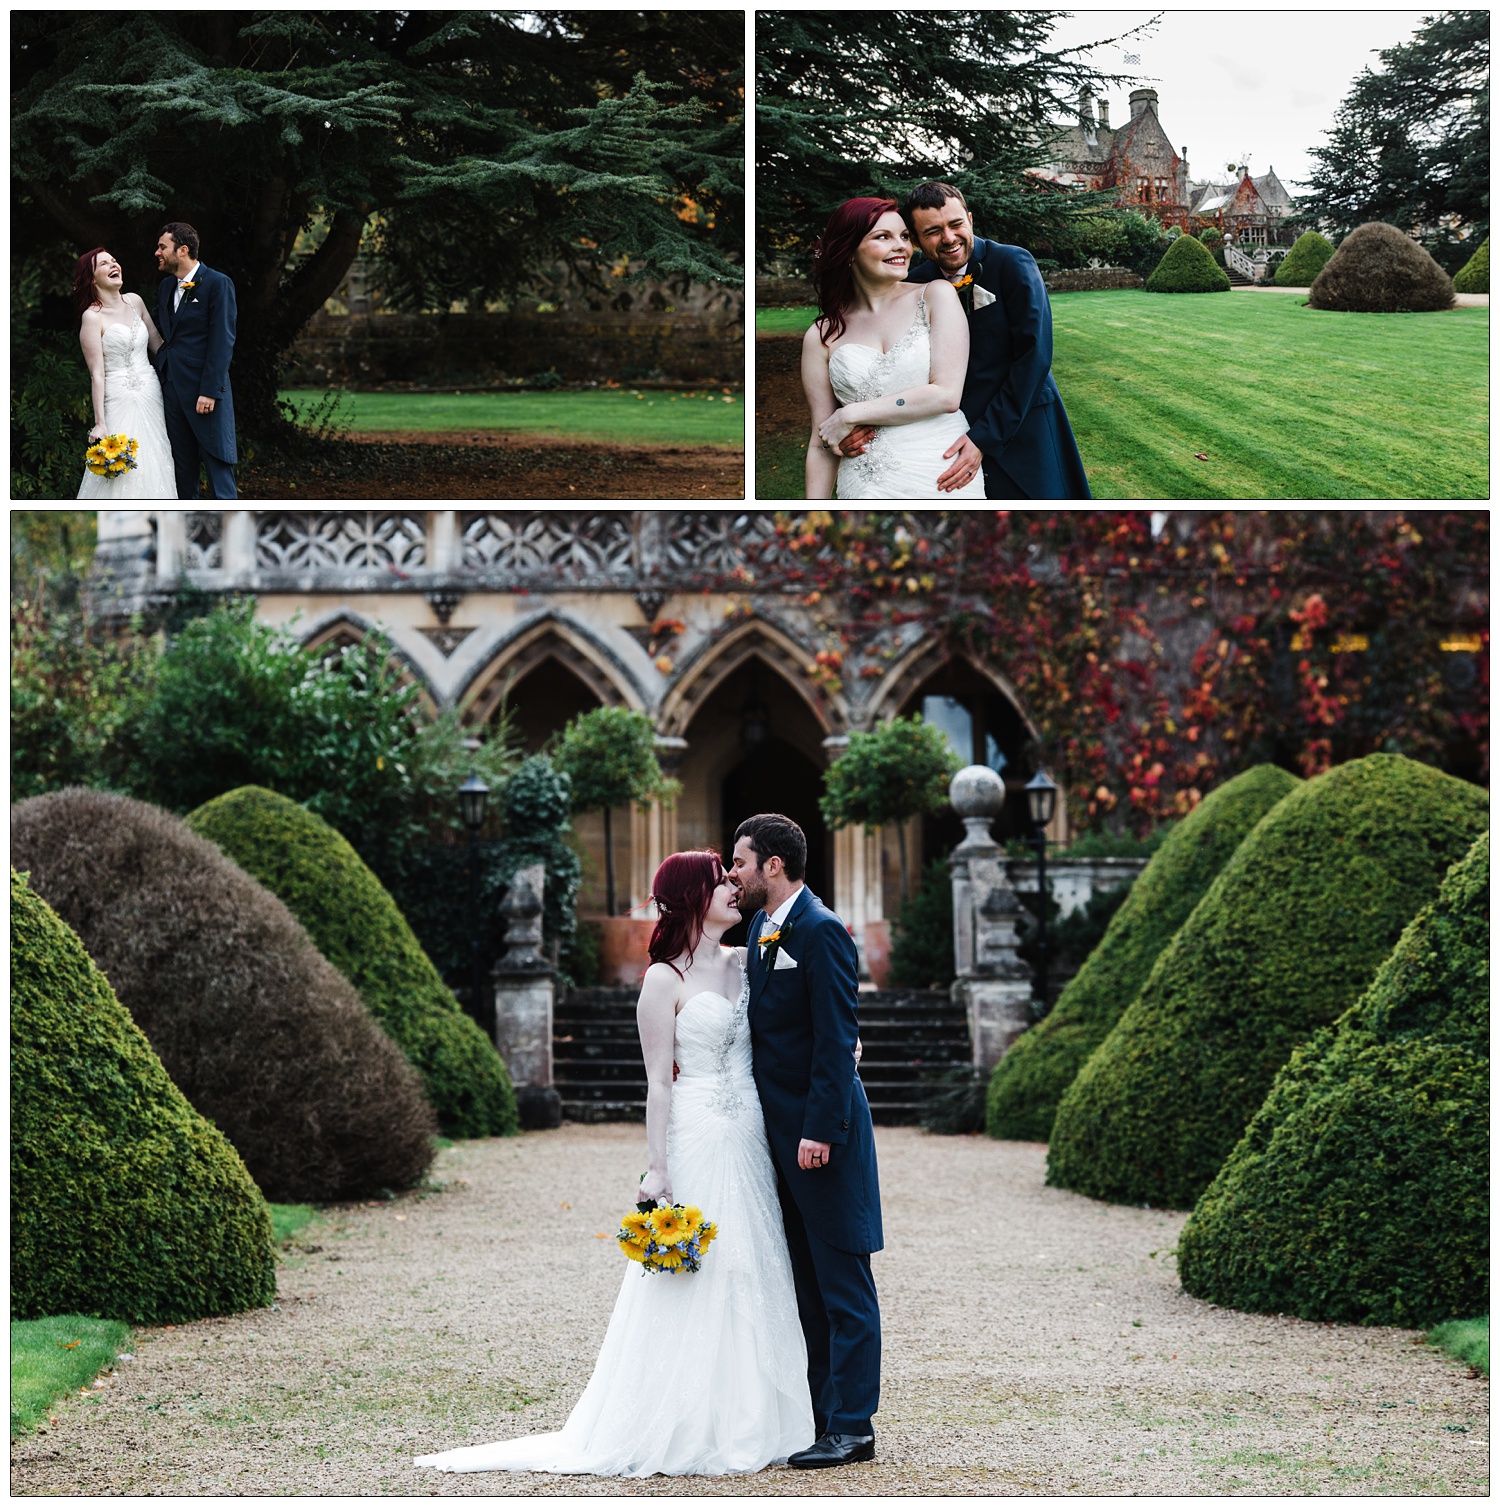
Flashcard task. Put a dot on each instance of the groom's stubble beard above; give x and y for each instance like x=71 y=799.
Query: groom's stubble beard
x=753 y=893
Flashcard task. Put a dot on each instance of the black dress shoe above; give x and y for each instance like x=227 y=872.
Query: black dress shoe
x=834 y=1449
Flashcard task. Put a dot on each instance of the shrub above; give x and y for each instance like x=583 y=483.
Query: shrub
x=355 y=924
x=1304 y=261
x=1030 y=1080
x=1187 y=268
x=1287 y=937
x=1359 y=1193
x=50 y=413
x=922 y=936
x=264 y=1037
x=1379 y=269
x=125 y=1202
x=1093 y=280
x=1474 y=275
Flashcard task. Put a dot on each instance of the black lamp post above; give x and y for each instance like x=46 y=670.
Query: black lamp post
x=1041 y=802
x=472 y=796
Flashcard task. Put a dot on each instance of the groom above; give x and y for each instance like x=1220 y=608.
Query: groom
x=195 y=314
x=803 y=1028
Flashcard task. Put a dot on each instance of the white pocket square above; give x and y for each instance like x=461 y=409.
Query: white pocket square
x=983 y=298
x=784 y=960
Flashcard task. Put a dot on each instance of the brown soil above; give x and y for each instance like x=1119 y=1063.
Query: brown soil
x=780 y=407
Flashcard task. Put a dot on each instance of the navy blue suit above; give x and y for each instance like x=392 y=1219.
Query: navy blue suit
x=1015 y=414
x=193 y=362
x=803 y=1026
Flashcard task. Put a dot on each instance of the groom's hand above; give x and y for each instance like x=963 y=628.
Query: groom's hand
x=857 y=441
x=205 y=405
x=963 y=470
x=811 y=1155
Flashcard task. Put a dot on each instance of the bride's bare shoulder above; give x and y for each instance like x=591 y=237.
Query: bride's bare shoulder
x=813 y=339
x=135 y=301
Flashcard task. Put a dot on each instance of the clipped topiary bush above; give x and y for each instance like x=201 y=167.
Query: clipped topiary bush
x=1474 y=275
x=125 y=1202
x=264 y=1037
x=1304 y=261
x=356 y=925
x=1188 y=267
x=1286 y=939
x=1379 y=269
x=1360 y=1191
x=1029 y=1081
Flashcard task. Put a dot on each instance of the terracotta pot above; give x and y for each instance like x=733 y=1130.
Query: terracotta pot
x=622 y=948
x=878 y=952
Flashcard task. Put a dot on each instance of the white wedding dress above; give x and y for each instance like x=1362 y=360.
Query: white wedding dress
x=133 y=407
x=903 y=460
x=701 y=1373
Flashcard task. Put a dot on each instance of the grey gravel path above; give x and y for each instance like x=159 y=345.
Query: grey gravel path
x=1036 y=1342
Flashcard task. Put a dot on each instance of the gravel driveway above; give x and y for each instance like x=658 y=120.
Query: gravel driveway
x=1054 y=1354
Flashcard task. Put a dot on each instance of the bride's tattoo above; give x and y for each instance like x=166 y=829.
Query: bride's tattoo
x=900 y=402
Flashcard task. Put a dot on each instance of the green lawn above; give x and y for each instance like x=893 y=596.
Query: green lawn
x=1286 y=402
x=50 y=1357
x=707 y=416
x=1467 y=1340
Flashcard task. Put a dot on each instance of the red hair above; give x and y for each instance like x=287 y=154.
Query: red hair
x=683 y=890
x=833 y=258
x=84 y=294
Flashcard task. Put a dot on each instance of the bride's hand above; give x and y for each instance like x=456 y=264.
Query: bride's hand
x=655 y=1185
x=96 y=433
x=833 y=429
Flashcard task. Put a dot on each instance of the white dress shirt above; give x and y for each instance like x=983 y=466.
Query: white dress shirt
x=782 y=911
x=187 y=277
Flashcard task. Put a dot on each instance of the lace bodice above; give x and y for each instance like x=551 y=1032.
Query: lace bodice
x=860 y=372
x=126 y=364
x=713 y=1045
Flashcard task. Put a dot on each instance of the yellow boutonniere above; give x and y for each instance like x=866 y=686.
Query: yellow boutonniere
x=191 y=283
x=767 y=937
x=965 y=280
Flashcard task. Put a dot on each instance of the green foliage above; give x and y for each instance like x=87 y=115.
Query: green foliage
x=1304 y=261
x=125 y=1202
x=50 y=413
x=355 y=924
x=1467 y=1340
x=609 y=757
x=1360 y=1190
x=1474 y=275
x=51 y=1357
x=1030 y=1080
x=1188 y=267
x=1288 y=935
x=922 y=935
x=1381 y=270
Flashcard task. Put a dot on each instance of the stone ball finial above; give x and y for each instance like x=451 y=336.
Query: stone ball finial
x=977 y=791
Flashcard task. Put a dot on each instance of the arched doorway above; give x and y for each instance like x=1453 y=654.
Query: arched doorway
x=543 y=701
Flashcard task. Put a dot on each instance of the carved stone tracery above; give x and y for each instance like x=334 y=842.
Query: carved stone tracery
x=340 y=541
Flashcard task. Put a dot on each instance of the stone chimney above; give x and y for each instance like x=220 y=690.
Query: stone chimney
x=1140 y=101
x=1085 y=109
x=1104 y=115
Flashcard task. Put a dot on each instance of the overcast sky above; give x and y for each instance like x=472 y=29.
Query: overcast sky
x=1258 y=86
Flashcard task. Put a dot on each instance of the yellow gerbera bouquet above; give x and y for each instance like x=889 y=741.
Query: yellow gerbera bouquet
x=671 y=1238
x=112 y=456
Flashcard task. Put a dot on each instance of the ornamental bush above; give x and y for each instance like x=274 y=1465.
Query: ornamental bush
x=125 y=1202
x=1379 y=269
x=1474 y=275
x=355 y=924
x=1287 y=937
x=264 y=1037
x=1187 y=267
x=1029 y=1081
x=1304 y=261
x=1359 y=1193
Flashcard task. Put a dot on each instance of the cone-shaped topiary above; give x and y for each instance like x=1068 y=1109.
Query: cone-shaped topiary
x=1030 y=1080
x=1474 y=275
x=356 y=925
x=125 y=1202
x=1188 y=267
x=1379 y=269
x=1304 y=261
x=264 y=1037
x=1286 y=939
x=1360 y=1192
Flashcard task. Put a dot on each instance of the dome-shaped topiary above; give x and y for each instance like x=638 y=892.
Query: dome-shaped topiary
x=1360 y=1191
x=356 y=925
x=1474 y=275
x=1188 y=267
x=264 y=1037
x=1287 y=937
x=125 y=1202
x=1030 y=1080
x=1379 y=269
x=1304 y=261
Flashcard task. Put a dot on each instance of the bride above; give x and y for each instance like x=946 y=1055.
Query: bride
x=118 y=339
x=700 y=1373
x=883 y=352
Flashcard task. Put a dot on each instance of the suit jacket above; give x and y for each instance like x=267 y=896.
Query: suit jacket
x=1015 y=414
x=803 y=1026
x=193 y=361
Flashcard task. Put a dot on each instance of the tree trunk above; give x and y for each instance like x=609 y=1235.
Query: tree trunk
x=609 y=864
x=901 y=847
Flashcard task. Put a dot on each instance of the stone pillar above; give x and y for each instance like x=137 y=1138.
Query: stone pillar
x=443 y=553
x=993 y=984
x=524 y=987
x=238 y=546
x=171 y=544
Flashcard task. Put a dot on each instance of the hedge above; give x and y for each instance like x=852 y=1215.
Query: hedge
x=1286 y=939
x=355 y=924
x=1304 y=261
x=263 y=1036
x=1359 y=1193
x=1029 y=1081
x=1474 y=275
x=125 y=1202
x=1188 y=267
x=1379 y=269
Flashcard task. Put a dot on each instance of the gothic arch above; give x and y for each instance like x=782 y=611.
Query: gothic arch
x=924 y=661
x=346 y=628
